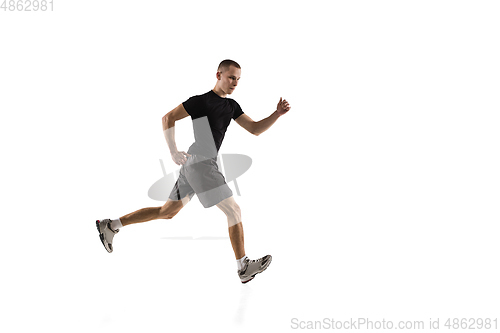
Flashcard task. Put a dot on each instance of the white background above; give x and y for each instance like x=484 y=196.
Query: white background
x=377 y=194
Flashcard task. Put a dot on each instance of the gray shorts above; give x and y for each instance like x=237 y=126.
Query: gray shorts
x=201 y=175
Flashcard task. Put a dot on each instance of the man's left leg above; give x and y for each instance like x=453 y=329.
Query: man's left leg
x=247 y=269
x=233 y=213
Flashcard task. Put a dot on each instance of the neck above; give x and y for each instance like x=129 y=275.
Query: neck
x=219 y=92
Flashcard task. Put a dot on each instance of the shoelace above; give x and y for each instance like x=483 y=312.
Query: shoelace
x=252 y=261
x=248 y=262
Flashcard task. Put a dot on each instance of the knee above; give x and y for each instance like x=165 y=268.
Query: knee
x=238 y=210
x=231 y=209
x=168 y=211
x=235 y=212
x=165 y=214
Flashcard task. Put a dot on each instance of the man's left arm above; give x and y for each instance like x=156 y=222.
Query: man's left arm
x=259 y=127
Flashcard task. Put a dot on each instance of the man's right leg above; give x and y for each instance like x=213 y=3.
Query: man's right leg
x=167 y=211
x=107 y=230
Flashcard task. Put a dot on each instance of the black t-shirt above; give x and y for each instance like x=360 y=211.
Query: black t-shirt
x=211 y=116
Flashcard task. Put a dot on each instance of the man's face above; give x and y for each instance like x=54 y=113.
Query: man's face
x=229 y=79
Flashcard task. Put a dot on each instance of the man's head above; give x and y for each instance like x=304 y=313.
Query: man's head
x=228 y=74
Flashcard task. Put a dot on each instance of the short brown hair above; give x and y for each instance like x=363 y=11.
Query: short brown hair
x=224 y=65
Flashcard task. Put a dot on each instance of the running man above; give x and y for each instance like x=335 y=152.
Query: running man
x=211 y=114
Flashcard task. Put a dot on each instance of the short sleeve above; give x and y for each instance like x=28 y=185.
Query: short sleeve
x=237 y=110
x=194 y=106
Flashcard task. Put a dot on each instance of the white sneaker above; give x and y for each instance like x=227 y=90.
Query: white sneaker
x=253 y=267
x=106 y=233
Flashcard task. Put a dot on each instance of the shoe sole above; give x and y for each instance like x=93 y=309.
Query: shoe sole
x=101 y=236
x=253 y=276
x=249 y=279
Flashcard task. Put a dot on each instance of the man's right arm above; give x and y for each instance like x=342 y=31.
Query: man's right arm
x=168 y=122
